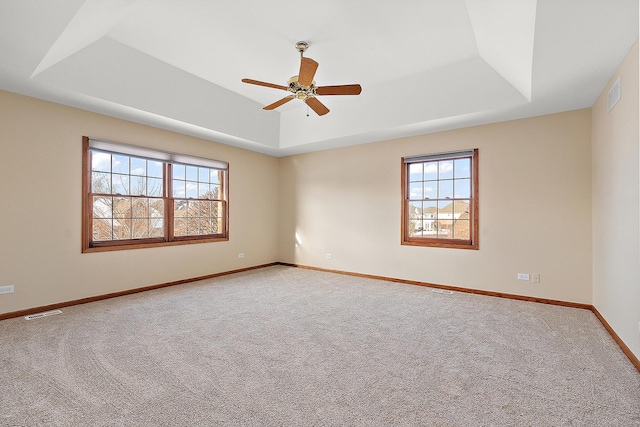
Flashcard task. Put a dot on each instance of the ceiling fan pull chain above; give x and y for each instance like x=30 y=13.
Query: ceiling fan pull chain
x=307 y=110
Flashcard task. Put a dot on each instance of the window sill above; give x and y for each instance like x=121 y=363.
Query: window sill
x=106 y=247
x=432 y=243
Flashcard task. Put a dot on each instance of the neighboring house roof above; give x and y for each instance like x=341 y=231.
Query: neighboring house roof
x=459 y=206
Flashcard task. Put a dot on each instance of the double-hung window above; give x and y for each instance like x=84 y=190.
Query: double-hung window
x=440 y=200
x=136 y=197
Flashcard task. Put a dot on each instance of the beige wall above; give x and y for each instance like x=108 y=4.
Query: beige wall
x=616 y=205
x=535 y=209
x=40 y=171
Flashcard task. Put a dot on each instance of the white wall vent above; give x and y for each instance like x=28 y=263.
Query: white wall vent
x=44 y=314
x=614 y=95
x=442 y=291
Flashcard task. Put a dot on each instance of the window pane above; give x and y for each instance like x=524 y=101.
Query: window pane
x=192 y=173
x=102 y=230
x=154 y=186
x=415 y=229
x=192 y=226
x=415 y=210
x=179 y=217
x=178 y=171
x=100 y=182
x=156 y=208
x=462 y=188
x=461 y=229
x=102 y=207
x=445 y=215
x=445 y=209
x=445 y=169
x=215 y=192
x=216 y=210
x=120 y=184
x=138 y=185
x=156 y=227
x=218 y=226
x=430 y=171
x=121 y=229
x=121 y=207
x=461 y=209
x=415 y=219
x=214 y=176
x=140 y=228
x=415 y=191
x=193 y=209
x=203 y=191
x=214 y=226
x=429 y=222
x=462 y=168
x=154 y=169
x=120 y=164
x=415 y=172
x=180 y=227
x=192 y=190
x=443 y=229
x=140 y=208
x=138 y=166
x=431 y=190
x=430 y=210
x=100 y=162
x=445 y=189
x=208 y=209
x=203 y=174
x=179 y=188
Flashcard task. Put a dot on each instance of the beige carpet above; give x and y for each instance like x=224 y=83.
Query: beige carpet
x=285 y=346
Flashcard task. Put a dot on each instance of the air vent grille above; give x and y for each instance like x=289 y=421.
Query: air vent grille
x=43 y=314
x=441 y=291
x=614 y=95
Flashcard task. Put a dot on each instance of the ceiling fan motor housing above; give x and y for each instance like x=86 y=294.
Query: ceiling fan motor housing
x=300 y=91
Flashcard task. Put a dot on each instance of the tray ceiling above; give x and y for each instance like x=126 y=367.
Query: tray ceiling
x=424 y=66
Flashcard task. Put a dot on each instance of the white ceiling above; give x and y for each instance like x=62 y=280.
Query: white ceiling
x=424 y=65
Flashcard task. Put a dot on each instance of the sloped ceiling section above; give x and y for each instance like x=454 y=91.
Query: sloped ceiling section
x=424 y=65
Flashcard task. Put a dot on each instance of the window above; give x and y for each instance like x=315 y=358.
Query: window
x=135 y=197
x=440 y=200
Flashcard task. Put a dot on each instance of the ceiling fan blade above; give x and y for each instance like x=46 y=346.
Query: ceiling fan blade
x=259 y=83
x=308 y=69
x=279 y=103
x=317 y=106
x=339 y=90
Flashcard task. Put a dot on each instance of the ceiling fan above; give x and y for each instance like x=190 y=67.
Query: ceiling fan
x=303 y=86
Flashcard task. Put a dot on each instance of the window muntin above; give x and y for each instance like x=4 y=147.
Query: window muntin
x=132 y=199
x=440 y=204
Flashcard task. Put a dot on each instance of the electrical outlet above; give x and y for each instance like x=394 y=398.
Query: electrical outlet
x=523 y=276
x=241 y=255
x=536 y=278
x=328 y=256
x=6 y=289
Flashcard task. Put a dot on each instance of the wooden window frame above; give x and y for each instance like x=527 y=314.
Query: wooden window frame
x=88 y=245
x=472 y=242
